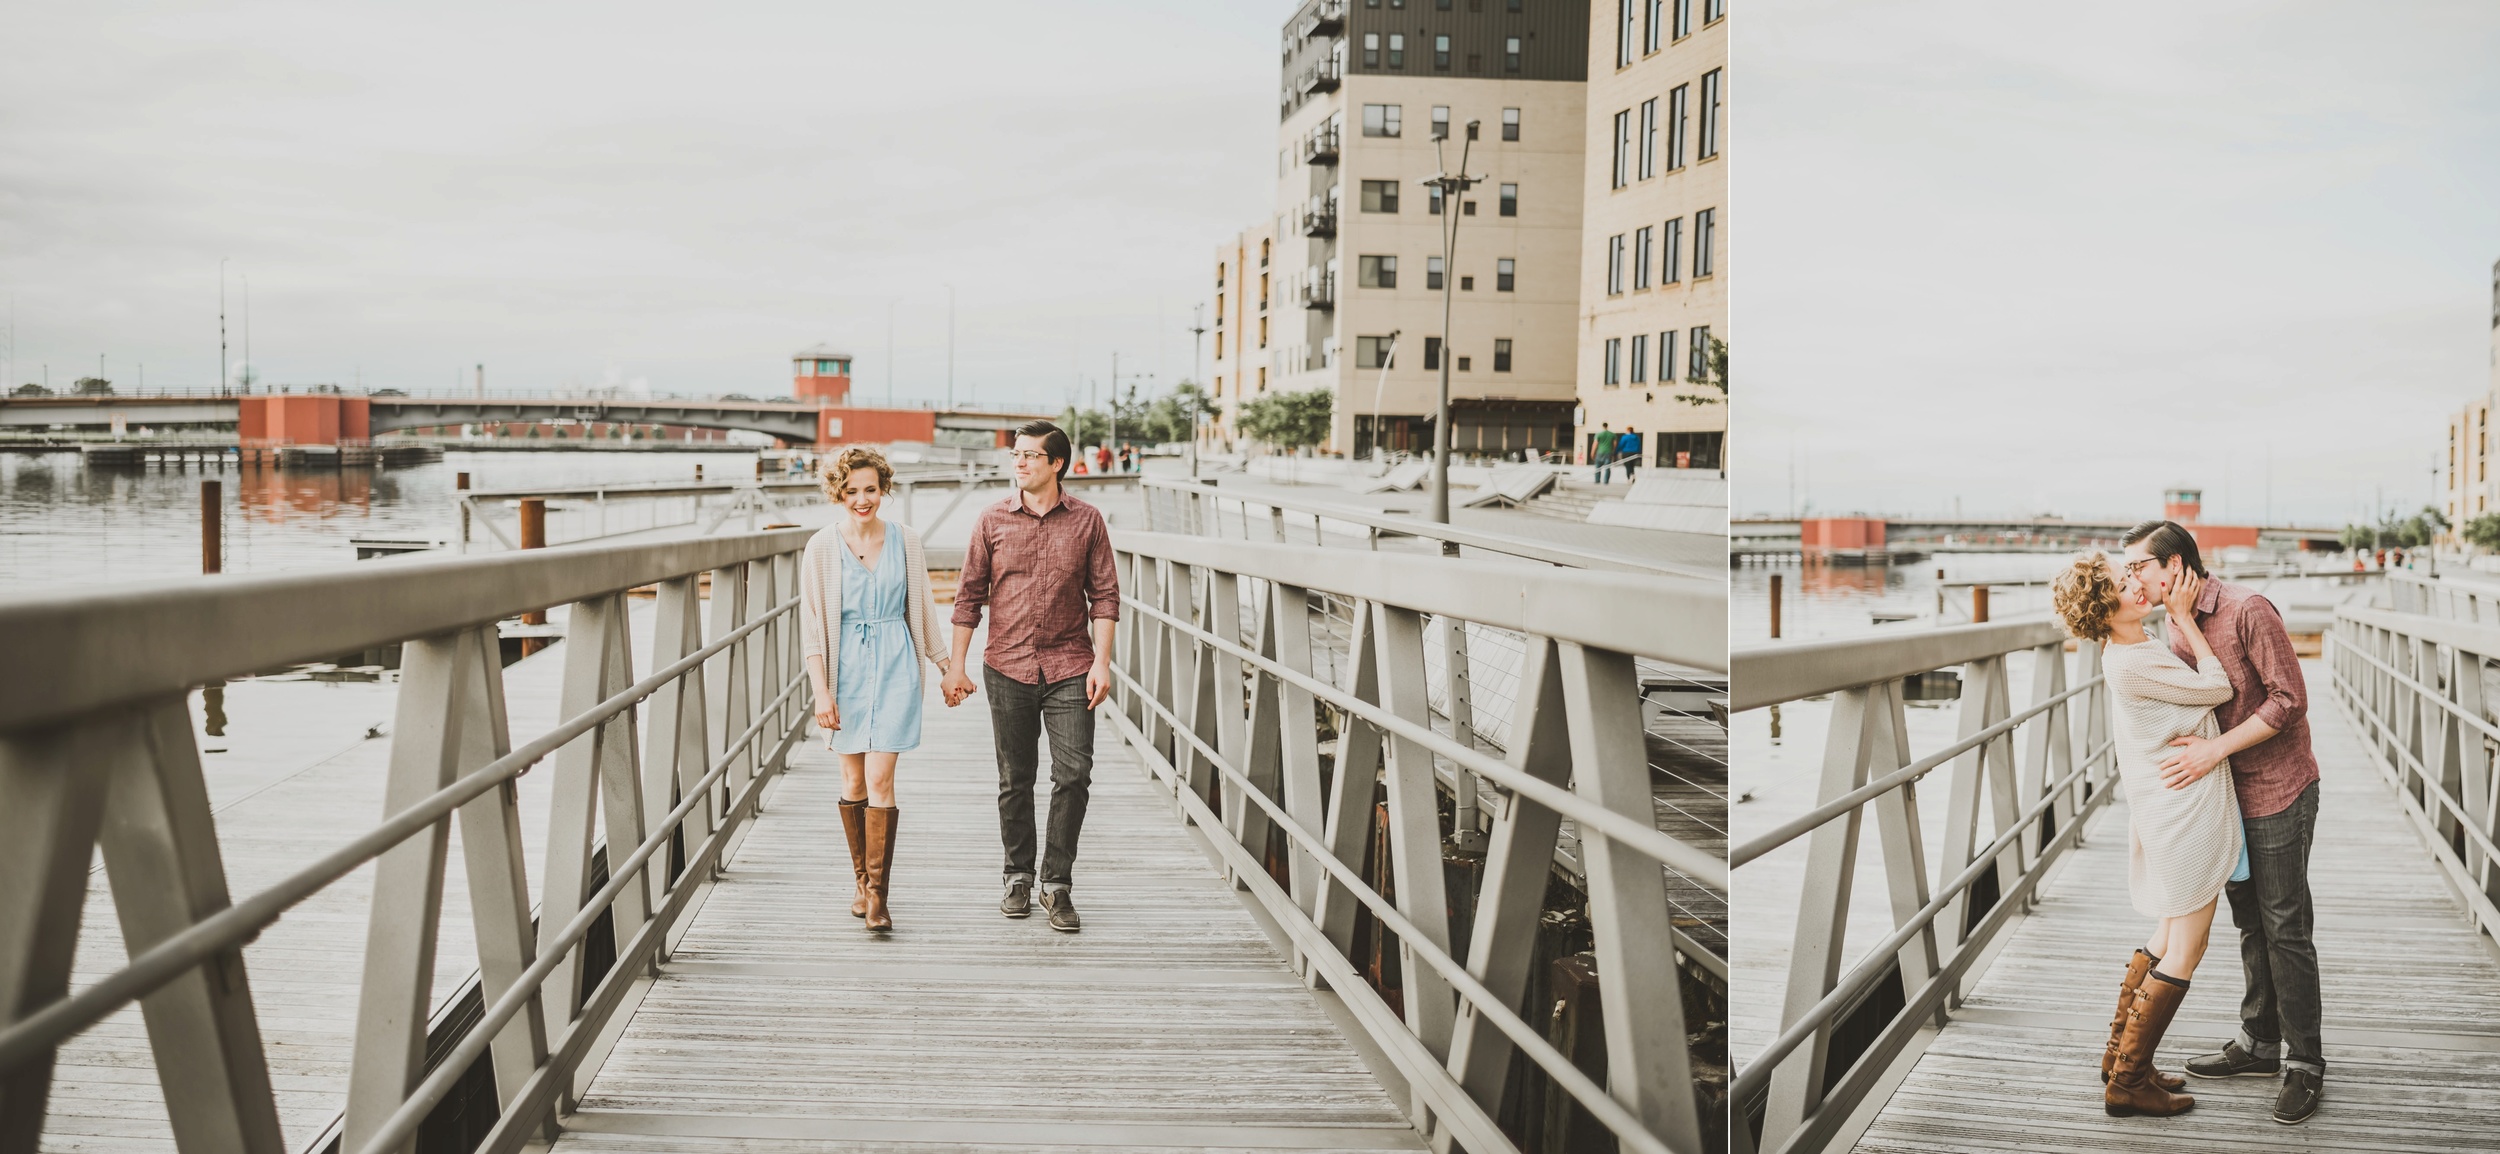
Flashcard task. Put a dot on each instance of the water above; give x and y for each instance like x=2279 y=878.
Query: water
x=63 y=526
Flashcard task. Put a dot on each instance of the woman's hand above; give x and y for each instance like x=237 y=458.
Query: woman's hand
x=827 y=714
x=2181 y=600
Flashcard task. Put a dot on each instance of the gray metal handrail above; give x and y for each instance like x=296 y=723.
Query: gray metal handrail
x=1189 y=507
x=121 y=755
x=2415 y=687
x=1803 y=1088
x=1228 y=723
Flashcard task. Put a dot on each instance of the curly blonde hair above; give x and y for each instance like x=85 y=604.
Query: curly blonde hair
x=2086 y=597
x=838 y=473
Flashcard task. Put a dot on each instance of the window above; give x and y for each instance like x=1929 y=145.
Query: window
x=1501 y=356
x=1614 y=264
x=1433 y=194
x=1467 y=208
x=1505 y=274
x=1510 y=124
x=1623 y=31
x=1710 y=102
x=1471 y=130
x=1262 y=280
x=1475 y=63
x=1705 y=223
x=1263 y=375
x=1380 y=196
x=1712 y=10
x=1649 y=138
x=1466 y=284
x=1371 y=50
x=1671 y=250
x=1219 y=280
x=1653 y=26
x=1262 y=344
x=1378 y=272
x=1510 y=54
x=1441 y=53
x=1432 y=272
x=1372 y=352
x=1262 y=277
x=1640 y=358
x=1683 y=18
x=1640 y=260
x=1666 y=356
x=1397 y=50
x=1381 y=119
x=1510 y=200
x=1697 y=354
x=1465 y=363
x=1219 y=310
x=1432 y=353
x=1614 y=361
x=1623 y=148
x=1679 y=102
x=1440 y=122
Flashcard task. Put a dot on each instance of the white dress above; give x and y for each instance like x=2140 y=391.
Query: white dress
x=2184 y=843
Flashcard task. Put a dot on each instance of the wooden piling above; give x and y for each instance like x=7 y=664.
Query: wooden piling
x=1978 y=603
x=533 y=536
x=1775 y=606
x=212 y=528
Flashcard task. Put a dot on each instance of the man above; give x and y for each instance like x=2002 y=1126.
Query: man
x=1628 y=451
x=1602 y=452
x=2266 y=737
x=1041 y=562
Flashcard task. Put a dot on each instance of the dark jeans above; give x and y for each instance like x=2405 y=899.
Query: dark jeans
x=2279 y=1016
x=1019 y=715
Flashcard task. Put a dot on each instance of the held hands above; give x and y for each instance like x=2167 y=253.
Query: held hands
x=2181 y=599
x=2192 y=759
x=956 y=686
x=827 y=714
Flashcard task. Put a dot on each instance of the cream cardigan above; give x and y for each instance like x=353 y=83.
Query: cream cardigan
x=820 y=599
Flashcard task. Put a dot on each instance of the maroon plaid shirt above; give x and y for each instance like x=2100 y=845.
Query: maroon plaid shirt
x=2256 y=651
x=1045 y=579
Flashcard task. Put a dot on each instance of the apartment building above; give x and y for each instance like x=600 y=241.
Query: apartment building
x=1653 y=260
x=2467 y=488
x=1244 y=303
x=1354 y=271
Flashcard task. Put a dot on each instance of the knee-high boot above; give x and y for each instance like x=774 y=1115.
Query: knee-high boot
x=855 y=830
x=2131 y=1088
x=2139 y=965
x=880 y=864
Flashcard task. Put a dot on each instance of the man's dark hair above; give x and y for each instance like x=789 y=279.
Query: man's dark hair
x=1054 y=442
x=2165 y=540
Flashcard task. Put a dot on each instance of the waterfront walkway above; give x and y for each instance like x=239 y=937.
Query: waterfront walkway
x=2412 y=1004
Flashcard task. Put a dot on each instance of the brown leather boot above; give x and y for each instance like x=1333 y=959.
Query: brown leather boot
x=2138 y=966
x=855 y=829
x=880 y=863
x=2131 y=1088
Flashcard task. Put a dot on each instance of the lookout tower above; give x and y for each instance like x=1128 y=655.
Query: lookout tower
x=2185 y=506
x=821 y=374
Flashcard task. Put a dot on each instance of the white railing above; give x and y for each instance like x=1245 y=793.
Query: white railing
x=1230 y=720
x=2418 y=689
x=96 y=749
x=1840 y=1032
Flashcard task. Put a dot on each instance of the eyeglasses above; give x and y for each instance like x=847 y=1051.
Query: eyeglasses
x=2137 y=564
x=1027 y=455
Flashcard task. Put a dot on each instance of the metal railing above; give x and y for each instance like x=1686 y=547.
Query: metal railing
x=1320 y=292
x=2419 y=690
x=1230 y=721
x=96 y=748
x=1841 y=1032
x=1177 y=506
x=2470 y=601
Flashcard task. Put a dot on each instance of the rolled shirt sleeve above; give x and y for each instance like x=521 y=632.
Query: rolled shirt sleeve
x=972 y=585
x=1102 y=576
x=2269 y=650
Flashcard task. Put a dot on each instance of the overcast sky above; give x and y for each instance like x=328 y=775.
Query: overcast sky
x=2050 y=258
x=611 y=193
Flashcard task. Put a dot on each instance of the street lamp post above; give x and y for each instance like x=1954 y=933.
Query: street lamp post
x=1453 y=189
x=1197 y=376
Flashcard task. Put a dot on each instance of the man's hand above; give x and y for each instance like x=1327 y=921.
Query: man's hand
x=828 y=714
x=956 y=686
x=2194 y=757
x=1097 y=682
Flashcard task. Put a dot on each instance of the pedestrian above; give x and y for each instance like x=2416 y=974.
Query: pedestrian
x=1040 y=564
x=1602 y=452
x=1628 y=451
x=1128 y=458
x=867 y=621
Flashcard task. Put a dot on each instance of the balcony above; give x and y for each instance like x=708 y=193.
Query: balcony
x=1326 y=18
x=1320 y=221
x=1321 y=77
x=1320 y=292
x=1320 y=146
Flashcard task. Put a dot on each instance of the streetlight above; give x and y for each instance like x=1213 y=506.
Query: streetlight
x=950 y=348
x=1453 y=191
x=1197 y=375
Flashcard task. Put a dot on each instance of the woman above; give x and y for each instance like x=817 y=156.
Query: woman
x=868 y=620
x=2183 y=842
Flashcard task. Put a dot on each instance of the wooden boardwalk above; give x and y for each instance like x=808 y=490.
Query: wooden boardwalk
x=1170 y=1023
x=2412 y=1006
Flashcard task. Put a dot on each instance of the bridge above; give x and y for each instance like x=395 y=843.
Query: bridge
x=1944 y=985
x=1389 y=850
x=795 y=422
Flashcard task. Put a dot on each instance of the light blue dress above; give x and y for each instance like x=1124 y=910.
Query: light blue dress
x=878 y=690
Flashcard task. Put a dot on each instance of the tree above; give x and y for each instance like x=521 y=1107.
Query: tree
x=31 y=389
x=2394 y=532
x=92 y=387
x=1717 y=363
x=1086 y=426
x=1289 y=421
x=2483 y=532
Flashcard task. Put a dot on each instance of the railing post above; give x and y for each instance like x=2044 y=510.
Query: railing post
x=596 y=773
x=1415 y=824
x=1289 y=631
x=47 y=841
x=678 y=716
x=1823 y=911
x=725 y=680
x=1457 y=704
x=1350 y=788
